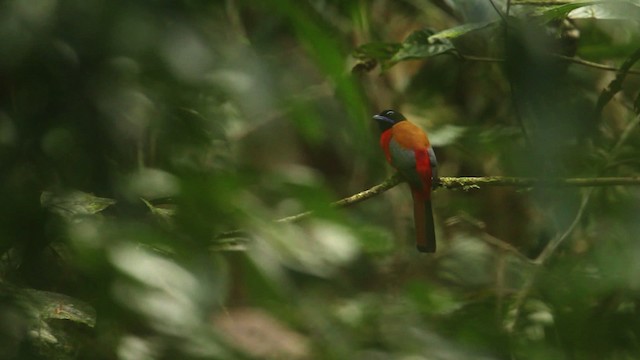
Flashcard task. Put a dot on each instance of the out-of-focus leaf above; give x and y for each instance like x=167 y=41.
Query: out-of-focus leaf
x=50 y=318
x=458 y=31
x=376 y=50
x=317 y=249
x=418 y=45
x=536 y=316
x=259 y=334
x=364 y=66
x=308 y=123
x=468 y=262
x=608 y=10
x=230 y=244
x=375 y=239
x=547 y=14
x=166 y=212
x=432 y=300
x=150 y=184
x=446 y=135
x=169 y=296
x=74 y=202
x=477 y=10
x=47 y=305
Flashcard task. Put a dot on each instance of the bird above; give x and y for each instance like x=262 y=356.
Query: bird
x=407 y=148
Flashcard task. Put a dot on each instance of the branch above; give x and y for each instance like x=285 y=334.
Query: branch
x=467 y=183
x=475 y=182
x=553 y=245
x=575 y=60
x=594 y=65
x=353 y=199
x=540 y=3
x=616 y=84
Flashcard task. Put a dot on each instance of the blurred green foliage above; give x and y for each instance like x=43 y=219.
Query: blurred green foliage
x=147 y=147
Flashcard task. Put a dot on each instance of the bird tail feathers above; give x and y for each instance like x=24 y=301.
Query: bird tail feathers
x=423 y=218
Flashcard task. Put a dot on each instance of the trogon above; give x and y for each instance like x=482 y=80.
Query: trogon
x=407 y=149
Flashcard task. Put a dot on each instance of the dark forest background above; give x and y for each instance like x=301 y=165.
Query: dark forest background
x=146 y=148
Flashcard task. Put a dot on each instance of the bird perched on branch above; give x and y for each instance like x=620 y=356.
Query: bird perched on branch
x=407 y=149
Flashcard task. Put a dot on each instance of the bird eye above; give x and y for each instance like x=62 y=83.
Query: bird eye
x=390 y=112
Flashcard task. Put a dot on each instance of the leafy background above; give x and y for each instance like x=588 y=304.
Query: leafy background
x=146 y=149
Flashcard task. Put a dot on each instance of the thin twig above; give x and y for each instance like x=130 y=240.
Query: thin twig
x=592 y=64
x=553 y=245
x=575 y=60
x=353 y=199
x=495 y=7
x=480 y=58
x=615 y=85
x=512 y=88
x=540 y=3
x=479 y=226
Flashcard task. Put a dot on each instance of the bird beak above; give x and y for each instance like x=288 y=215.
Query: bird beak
x=382 y=118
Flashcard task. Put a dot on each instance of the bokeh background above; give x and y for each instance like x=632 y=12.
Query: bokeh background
x=147 y=148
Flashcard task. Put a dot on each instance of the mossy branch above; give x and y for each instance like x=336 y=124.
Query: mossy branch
x=464 y=183
x=476 y=182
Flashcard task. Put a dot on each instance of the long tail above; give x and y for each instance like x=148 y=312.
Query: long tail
x=423 y=218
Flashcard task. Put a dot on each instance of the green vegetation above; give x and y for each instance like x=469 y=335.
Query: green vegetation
x=149 y=148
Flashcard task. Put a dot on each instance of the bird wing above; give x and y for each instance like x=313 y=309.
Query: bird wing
x=409 y=151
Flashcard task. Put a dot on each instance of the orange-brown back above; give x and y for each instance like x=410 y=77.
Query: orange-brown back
x=409 y=136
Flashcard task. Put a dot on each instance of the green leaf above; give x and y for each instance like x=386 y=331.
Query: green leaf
x=609 y=10
x=57 y=324
x=418 y=46
x=377 y=50
x=458 y=31
x=447 y=135
x=560 y=12
x=166 y=212
x=46 y=305
x=74 y=202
